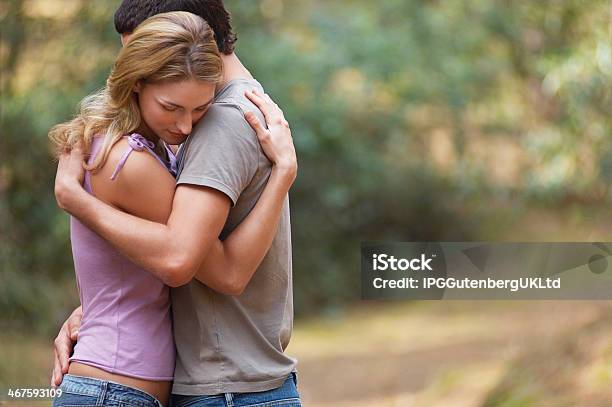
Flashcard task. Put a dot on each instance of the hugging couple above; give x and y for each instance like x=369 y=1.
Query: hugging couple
x=177 y=184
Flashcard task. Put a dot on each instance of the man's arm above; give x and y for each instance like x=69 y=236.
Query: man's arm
x=173 y=252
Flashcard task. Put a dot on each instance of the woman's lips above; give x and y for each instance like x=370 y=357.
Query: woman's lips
x=177 y=135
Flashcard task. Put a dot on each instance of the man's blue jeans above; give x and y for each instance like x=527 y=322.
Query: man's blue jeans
x=285 y=396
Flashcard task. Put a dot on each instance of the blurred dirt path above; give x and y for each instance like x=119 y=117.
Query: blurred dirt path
x=430 y=353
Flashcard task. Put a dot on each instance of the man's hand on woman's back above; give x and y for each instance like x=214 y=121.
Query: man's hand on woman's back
x=69 y=177
x=63 y=345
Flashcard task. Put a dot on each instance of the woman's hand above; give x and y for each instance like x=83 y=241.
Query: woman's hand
x=275 y=140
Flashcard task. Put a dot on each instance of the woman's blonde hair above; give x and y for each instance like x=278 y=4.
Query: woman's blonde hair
x=167 y=47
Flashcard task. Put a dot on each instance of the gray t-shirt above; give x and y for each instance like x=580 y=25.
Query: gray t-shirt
x=233 y=344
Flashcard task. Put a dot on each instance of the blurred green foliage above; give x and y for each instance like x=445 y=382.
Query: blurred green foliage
x=413 y=120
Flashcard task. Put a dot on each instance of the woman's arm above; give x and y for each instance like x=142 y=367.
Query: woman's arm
x=232 y=263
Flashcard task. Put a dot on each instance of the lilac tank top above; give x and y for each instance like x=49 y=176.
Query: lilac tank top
x=126 y=327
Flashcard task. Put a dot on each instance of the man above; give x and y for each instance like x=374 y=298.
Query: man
x=229 y=348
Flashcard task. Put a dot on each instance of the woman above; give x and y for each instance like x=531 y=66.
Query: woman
x=169 y=66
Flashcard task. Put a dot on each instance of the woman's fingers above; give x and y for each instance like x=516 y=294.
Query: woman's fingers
x=273 y=106
x=272 y=113
x=256 y=99
x=262 y=133
x=253 y=121
x=261 y=104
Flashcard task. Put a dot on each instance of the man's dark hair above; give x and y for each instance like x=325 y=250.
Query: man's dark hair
x=133 y=12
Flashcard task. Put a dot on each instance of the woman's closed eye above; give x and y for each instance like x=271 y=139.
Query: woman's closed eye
x=203 y=108
x=174 y=108
x=169 y=108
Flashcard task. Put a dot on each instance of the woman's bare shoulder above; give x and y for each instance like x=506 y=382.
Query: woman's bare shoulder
x=139 y=178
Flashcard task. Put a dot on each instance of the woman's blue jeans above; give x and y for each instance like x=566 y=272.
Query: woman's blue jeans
x=88 y=392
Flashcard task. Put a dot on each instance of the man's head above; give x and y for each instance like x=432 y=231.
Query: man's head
x=133 y=12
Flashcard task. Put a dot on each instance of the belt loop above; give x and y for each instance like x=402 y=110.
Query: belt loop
x=294 y=377
x=102 y=396
x=229 y=400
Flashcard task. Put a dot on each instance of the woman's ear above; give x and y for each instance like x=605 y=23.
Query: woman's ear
x=137 y=87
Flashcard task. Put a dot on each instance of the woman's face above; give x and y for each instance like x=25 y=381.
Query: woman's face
x=169 y=110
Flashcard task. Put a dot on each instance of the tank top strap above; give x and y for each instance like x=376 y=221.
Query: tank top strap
x=136 y=142
x=172 y=161
x=96 y=144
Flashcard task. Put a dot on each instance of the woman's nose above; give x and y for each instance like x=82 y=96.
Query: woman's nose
x=185 y=124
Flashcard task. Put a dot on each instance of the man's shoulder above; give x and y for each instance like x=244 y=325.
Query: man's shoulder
x=232 y=95
x=228 y=110
x=235 y=88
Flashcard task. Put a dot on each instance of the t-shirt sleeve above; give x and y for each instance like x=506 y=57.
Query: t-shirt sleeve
x=222 y=153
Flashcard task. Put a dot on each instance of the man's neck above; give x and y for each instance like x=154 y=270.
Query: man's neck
x=232 y=69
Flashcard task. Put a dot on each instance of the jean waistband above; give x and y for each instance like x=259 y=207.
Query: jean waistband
x=88 y=386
